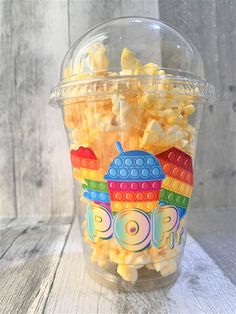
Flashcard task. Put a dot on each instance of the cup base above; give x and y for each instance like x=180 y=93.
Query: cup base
x=151 y=280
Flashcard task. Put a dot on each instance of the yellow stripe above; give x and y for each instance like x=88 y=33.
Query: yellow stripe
x=146 y=206
x=82 y=173
x=177 y=186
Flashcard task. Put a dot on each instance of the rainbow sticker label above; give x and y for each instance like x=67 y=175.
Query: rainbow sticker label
x=141 y=200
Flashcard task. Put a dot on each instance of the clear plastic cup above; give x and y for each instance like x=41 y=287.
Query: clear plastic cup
x=132 y=92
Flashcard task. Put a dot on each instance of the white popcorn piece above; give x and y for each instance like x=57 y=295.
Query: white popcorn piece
x=168 y=267
x=173 y=135
x=127 y=115
x=98 y=59
x=150 y=266
x=141 y=261
x=157 y=266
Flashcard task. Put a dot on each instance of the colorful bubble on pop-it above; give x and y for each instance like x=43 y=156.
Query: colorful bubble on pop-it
x=96 y=185
x=146 y=206
x=84 y=157
x=172 y=198
x=134 y=186
x=177 y=186
x=139 y=196
x=86 y=169
x=135 y=165
x=82 y=174
x=97 y=196
x=182 y=211
x=134 y=180
x=171 y=170
x=178 y=158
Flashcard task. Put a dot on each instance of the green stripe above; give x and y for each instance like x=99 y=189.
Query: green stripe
x=96 y=185
x=173 y=198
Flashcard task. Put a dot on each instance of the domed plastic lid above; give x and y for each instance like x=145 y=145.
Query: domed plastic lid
x=134 y=165
x=126 y=49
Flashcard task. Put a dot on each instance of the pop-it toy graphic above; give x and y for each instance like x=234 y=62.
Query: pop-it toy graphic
x=134 y=180
x=178 y=184
x=86 y=169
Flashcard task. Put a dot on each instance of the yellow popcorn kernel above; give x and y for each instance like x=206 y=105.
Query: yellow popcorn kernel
x=151 y=69
x=129 y=61
x=188 y=110
x=151 y=102
x=114 y=255
x=128 y=273
x=122 y=255
x=161 y=72
x=152 y=133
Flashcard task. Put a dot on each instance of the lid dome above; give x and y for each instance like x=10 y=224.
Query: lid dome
x=151 y=40
x=126 y=47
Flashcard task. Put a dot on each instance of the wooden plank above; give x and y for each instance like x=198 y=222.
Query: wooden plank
x=4 y=222
x=8 y=236
x=215 y=231
x=84 y=14
x=27 y=269
x=211 y=27
x=201 y=288
x=44 y=183
x=8 y=114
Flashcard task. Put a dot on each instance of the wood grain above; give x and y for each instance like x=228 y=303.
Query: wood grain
x=34 y=141
x=211 y=26
x=195 y=291
x=215 y=231
x=8 y=109
x=27 y=268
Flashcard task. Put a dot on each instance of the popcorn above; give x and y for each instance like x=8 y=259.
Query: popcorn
x=152 y=134
x=167 y=268
x=151 y=102
x=128 y=273
x=157 y=266
x=129 y=61
x=123 y=112
x=114 y=255
x=98 y=60
x=188 y=110
x=151 y=69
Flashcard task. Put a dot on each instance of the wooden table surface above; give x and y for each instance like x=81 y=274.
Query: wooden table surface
x=42 y=271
